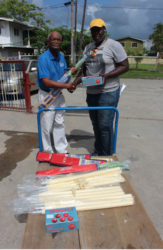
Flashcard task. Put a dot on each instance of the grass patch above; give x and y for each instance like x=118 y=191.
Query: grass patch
x=147 y=67
x=142 y=74
x=145 y=71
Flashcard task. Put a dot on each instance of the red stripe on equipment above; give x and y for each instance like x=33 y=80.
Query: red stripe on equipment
x=44 y=157
x=63 y=160
x=66 y=170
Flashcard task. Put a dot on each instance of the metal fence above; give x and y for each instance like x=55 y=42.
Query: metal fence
x=14 y=86
x=145 y=62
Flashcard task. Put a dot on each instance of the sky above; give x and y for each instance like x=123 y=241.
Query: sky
x=134 y=18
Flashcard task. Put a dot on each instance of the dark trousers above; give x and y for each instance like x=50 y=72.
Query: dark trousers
x=102 y=120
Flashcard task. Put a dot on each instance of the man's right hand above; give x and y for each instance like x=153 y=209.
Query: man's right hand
x=71 y=87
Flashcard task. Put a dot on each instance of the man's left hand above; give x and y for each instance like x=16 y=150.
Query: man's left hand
x=103 y=78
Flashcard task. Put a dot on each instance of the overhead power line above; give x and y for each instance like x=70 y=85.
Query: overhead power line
x=104 y=6
x=134 y=8
x=53 y=7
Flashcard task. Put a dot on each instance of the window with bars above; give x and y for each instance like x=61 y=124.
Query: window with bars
x=123 y=44
x=134 y=44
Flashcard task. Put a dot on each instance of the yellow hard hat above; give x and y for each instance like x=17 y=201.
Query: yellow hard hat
x=97 y=23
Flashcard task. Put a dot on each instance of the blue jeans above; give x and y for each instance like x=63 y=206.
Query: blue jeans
x=102 y=120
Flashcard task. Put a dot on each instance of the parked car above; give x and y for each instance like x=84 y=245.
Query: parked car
x=11 y=77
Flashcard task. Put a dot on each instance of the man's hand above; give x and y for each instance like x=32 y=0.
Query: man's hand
x=73 y=70
x=69 y=85
x=103 y=78
x=72 y=88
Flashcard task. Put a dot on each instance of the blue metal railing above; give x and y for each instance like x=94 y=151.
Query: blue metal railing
x=79 y=108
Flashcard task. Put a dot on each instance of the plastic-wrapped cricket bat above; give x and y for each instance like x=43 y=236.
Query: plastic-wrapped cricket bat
x=54 y=93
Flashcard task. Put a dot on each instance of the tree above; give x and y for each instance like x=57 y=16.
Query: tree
x=21 y=10
x=66 y=35
x=137 y=56
x=38 y=39
x=66 y=44
x=138 y=60
x=157 y=38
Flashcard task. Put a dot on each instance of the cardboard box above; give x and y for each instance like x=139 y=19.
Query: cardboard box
x=61 y=219
x=91 y=81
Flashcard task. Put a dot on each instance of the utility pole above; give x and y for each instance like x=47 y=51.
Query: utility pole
x=75 y=33
x=82 y=27
x=72 y=33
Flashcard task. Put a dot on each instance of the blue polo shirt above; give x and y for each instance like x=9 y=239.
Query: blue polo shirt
x=50 y=67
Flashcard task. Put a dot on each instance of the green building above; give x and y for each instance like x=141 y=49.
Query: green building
x=132 y=44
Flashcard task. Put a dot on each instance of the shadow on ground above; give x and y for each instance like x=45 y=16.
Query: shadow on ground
x=81 y=139
x=18 y=147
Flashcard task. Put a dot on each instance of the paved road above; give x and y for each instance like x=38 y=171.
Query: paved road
x=140 y=140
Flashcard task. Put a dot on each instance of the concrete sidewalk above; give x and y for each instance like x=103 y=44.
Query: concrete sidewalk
x=140 y=140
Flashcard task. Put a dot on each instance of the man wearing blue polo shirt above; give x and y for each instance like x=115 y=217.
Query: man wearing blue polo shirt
x=51 y=67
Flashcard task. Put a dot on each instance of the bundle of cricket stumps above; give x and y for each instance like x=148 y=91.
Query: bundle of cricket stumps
x=79 y=181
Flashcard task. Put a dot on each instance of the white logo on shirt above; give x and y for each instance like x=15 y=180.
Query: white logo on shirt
x=61 y=64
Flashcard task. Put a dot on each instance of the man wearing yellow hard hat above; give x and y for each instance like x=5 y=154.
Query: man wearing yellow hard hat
x=108 y=60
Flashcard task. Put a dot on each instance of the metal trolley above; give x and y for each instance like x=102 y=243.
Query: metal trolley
x=115 y=127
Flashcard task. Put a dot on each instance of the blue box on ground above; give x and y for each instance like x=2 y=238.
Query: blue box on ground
x=91 y=81
x=61 y=219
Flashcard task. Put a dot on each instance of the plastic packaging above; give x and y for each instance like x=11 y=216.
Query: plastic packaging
x=122 y=88
x=123 y=165
x=26 y=205
x=86 y=190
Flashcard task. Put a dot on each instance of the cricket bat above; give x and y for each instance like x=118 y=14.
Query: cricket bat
x=54 y=93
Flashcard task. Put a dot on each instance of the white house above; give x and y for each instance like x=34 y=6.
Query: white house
x=12 y=38
x=148 y=44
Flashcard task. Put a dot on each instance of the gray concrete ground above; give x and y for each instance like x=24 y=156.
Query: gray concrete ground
x=140 y=140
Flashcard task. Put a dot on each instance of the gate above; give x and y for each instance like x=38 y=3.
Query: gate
x=14 y=86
